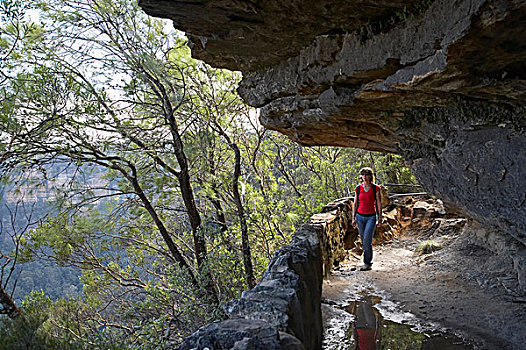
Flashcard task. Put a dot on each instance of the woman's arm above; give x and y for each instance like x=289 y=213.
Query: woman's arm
x=354 y=208
x=379 y=206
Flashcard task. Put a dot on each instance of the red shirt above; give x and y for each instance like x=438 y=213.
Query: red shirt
x=366 y=337
x=366 y=200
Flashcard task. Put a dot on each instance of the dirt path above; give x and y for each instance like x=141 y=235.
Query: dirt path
x=462 y=288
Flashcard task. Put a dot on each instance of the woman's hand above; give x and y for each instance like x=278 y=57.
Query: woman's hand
x=354 y=222
x=379 y=222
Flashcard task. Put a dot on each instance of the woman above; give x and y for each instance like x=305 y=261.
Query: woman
x=367 y=213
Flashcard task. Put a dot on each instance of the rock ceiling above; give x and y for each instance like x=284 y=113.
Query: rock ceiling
x=443 y=83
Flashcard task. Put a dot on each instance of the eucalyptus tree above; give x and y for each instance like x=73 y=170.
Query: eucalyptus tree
x=13 y=29
x=104 y=84
x=222 y=113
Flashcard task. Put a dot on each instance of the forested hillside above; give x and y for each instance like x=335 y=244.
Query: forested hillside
x=26 y=200
x=128 y=164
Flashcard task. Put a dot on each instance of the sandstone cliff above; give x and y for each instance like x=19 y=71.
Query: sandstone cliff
x=441 y=82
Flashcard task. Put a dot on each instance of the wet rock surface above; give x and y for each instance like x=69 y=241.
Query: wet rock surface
x=462 y=287
x=378 y=323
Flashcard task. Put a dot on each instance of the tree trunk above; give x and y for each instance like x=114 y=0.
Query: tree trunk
x=245 y=244
x=220 y=213
x=163 y=230
x=187 y=193
x=9 y=307
x=191 y=208
x=247 y=258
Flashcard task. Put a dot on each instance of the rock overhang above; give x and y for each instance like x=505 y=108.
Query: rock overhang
x=441 y=82
x=251 y=35
x=340 y=83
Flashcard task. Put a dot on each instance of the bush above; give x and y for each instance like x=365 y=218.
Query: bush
x=428 y=247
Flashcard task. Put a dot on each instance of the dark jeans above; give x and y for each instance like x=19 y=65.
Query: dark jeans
x=366 y=226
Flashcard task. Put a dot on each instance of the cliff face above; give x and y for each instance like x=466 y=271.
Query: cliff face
x=441 y=82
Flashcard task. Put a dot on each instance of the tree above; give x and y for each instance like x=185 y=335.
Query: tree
x=220 y=109
x=156 y=171
x=75 y=118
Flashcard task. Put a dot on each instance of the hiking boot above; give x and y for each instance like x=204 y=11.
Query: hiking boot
x=365 y=267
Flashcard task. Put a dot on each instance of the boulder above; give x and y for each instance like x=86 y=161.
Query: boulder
x=234 y=334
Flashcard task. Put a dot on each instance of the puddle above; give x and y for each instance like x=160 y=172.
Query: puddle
x=371 y=323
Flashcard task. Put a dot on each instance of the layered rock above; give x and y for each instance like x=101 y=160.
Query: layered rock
x=250 y=35
x=441 y=82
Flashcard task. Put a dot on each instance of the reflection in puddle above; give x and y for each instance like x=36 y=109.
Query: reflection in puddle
x=367 y=326
x=370 y=331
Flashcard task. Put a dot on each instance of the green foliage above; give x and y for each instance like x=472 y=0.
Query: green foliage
x=31 y=330
x=428 y=247
x=100 y=83
x=417 y=8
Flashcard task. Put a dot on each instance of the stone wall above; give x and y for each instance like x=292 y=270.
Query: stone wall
x=283 y=311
